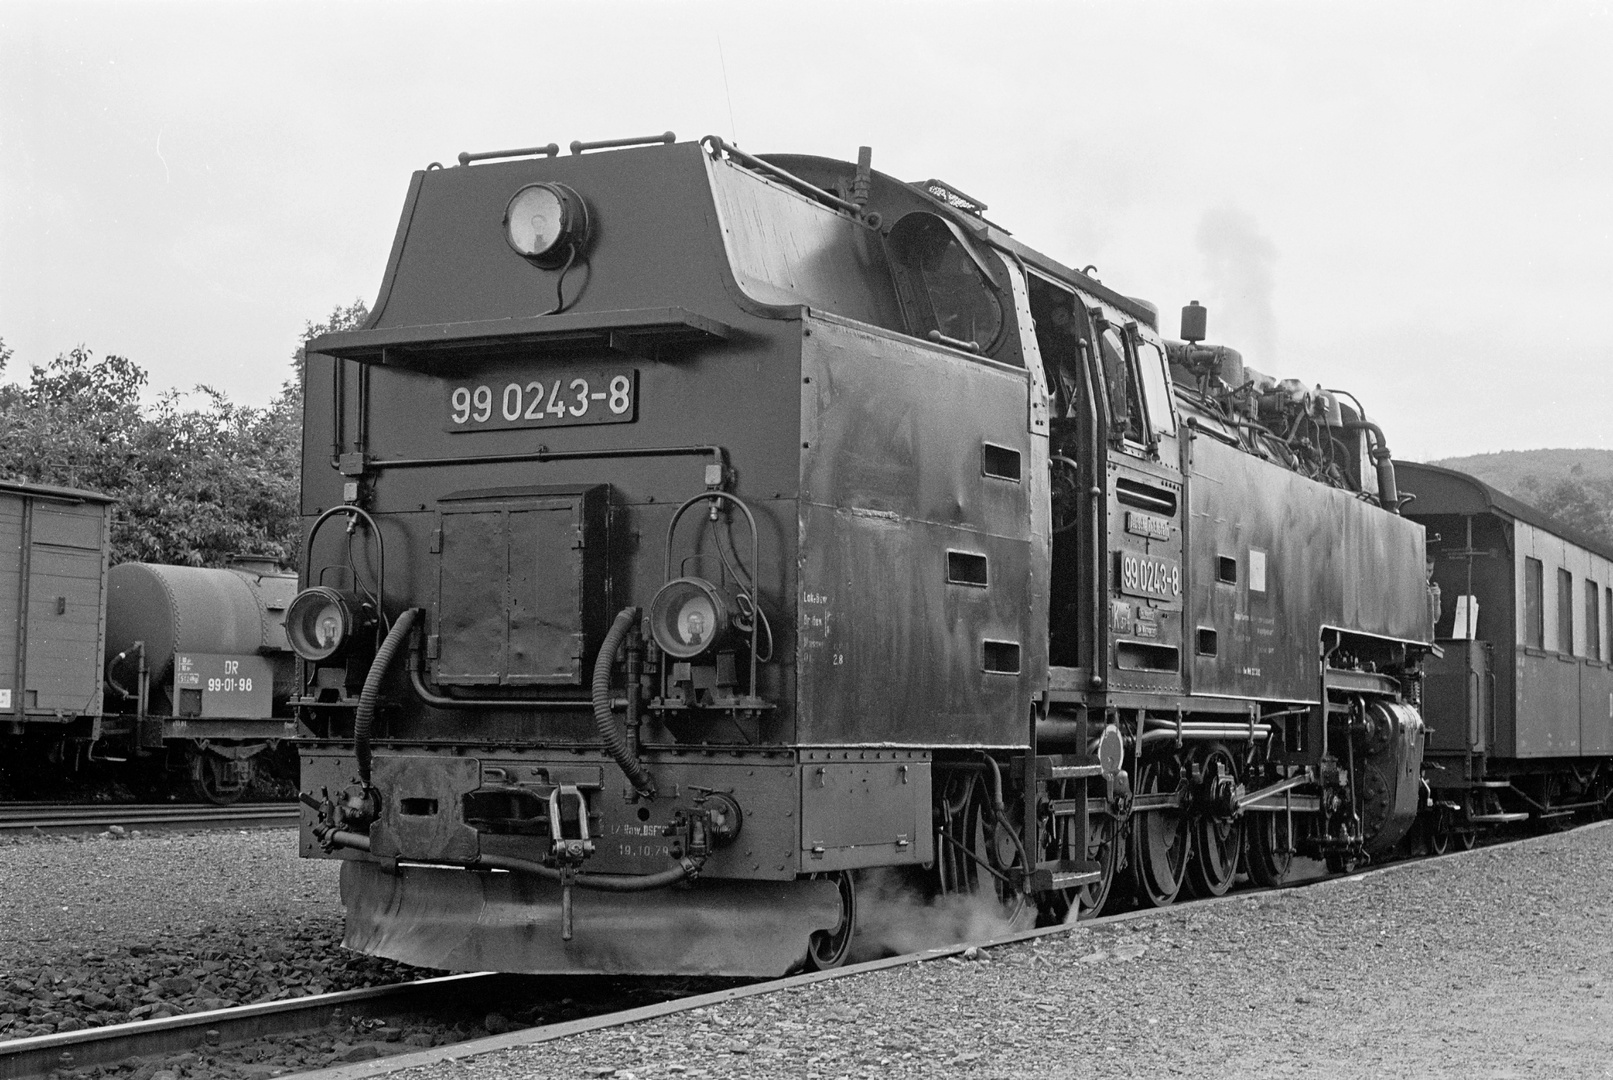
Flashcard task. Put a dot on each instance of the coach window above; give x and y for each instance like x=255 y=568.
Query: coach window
x=1534 y=607
x=1593 y=621
x=1565 y=612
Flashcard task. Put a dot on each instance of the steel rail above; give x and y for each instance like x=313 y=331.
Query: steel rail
x=56 y=817
x=458 y=1052
x=36 y=1057
x=549 y=1032
x=39 y=1056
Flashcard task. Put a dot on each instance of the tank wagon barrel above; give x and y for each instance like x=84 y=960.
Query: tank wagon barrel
x=690 y=532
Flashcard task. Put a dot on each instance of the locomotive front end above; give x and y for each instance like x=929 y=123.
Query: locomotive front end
x=547 y=618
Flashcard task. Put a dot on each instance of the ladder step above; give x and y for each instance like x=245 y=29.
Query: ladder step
x=1062 y=874
x=1066 y=767
x=1075 y=880
x=1074 y=772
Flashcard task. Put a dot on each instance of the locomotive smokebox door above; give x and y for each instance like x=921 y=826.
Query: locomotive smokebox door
x=521 y=584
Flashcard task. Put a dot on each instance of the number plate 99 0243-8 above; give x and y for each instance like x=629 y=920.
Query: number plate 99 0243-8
x=548 y=399
x=1145 y=575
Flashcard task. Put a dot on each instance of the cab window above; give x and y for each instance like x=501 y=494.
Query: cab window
x=1156 y=387
x=942 y=284
x=1125 y=396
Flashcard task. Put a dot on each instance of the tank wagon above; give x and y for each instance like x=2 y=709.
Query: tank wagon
x=689 y=533
x=198 y=664
x=139 y=661
x=1520 y=703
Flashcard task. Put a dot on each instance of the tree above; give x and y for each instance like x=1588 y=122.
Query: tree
x=194 y=485
x=1586 y=505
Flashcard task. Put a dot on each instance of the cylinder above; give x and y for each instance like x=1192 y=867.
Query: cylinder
x=176 y=609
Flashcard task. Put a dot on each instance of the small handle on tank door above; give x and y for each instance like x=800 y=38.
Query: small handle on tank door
x=755 y=556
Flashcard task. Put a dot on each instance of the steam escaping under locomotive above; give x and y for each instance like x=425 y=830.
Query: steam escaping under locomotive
x=688 y=533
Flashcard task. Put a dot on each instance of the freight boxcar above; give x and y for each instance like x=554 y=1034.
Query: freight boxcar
x=53 y=569
x=689 y=532
x=1521 y=702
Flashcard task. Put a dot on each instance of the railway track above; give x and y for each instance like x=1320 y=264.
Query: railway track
x=27 y=1059
x=474 y=994
x=69 y=818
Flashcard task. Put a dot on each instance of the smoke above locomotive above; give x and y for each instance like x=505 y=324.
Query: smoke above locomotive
x=689 y=534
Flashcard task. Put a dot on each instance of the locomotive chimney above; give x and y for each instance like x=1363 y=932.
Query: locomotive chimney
x=1193 y=322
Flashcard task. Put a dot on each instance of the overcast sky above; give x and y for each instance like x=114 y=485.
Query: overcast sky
x=1411 y=201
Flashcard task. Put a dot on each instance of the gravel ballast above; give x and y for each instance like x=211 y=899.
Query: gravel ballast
x=1494 y=964
x=104 y=930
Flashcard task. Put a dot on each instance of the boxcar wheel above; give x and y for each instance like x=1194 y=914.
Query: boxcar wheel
x=829 y=948
x=217 y=780
x=1438 y=831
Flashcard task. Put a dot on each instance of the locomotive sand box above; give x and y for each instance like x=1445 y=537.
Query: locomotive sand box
x=689 y=533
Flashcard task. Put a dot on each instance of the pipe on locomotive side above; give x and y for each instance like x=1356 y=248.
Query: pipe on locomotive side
x=1383 y=460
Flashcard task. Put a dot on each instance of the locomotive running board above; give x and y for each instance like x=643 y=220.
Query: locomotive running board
x=462 y=920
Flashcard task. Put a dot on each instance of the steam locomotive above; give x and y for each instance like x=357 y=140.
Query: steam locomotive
x=689 y=533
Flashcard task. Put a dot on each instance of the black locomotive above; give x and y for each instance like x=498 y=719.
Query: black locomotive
x=688 y=532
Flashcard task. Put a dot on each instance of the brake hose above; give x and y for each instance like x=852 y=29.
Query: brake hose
x=364 y=718
x=614 y=742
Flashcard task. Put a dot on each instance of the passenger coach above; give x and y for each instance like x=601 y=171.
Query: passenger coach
x=1521 y=703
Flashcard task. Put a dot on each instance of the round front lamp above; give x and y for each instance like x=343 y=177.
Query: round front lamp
x=321 y=622
x=544 y=222
x=689 y=616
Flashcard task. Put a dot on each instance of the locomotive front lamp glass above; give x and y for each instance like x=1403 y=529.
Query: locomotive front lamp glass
x=319 y=622
x=544 y=222
x=688 y=616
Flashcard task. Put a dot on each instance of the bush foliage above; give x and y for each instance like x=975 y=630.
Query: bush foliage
x=197 y=478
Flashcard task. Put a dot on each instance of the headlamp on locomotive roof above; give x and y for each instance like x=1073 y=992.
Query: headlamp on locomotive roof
x=690 y=616
x=546 y=223
x=322 y=622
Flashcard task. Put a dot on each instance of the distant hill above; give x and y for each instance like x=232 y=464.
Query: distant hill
x=1573 y=486
x=1529 y=474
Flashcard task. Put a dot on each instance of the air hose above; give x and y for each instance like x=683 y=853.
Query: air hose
x=364 y=718
x=686 y=870
x=614 y=742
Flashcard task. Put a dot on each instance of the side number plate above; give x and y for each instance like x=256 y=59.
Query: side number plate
x=1144 y=575
x=550 y=398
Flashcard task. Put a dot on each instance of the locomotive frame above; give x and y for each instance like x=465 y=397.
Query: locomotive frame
x=1049 y=603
